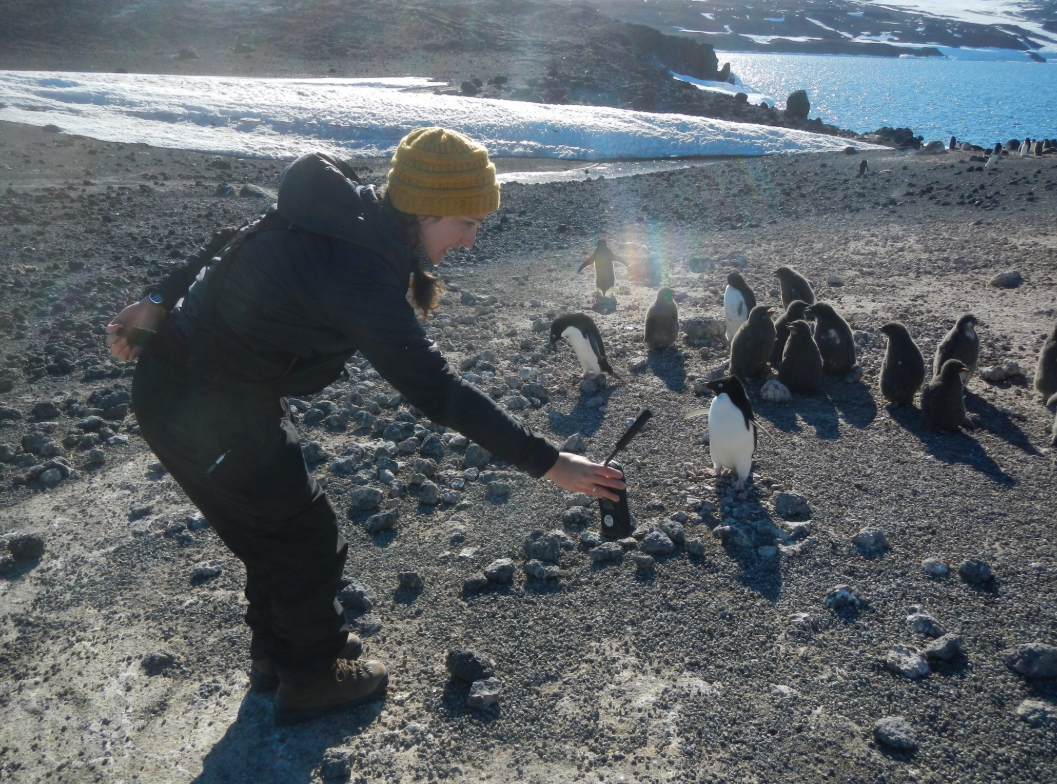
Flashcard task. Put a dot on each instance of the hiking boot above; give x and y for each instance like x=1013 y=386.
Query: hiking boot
x=263 y=676
x=345 y=684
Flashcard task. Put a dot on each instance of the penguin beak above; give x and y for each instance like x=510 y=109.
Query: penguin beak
x=711 y=385
x=770 y=310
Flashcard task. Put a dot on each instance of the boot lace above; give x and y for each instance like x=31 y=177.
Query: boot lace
x=345 y=669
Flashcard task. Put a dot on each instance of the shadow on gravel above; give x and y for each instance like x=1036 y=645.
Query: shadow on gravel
x=816 y=411
x=247 y=752
x=669 y=367
x=583 y=419
x=854 y=402
x=994 y=421
x=951 y=448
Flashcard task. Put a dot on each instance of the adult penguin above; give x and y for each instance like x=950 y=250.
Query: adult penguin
x=801 y=368
x=586 y=340
x=662 y=321
x=794 y=286
x=903 y=367
x=750 y=350
x=795 y=312
x=602 y=258
x=864 y=167
x=834 y=338
x=1046 y=369
x=738 y=302
x=731 y=429
x=961 y=343
x=953 y=145
x=943 y=398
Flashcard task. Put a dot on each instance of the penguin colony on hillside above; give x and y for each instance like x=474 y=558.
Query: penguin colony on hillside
x=801 y=354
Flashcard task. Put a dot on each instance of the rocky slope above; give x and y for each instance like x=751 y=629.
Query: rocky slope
x=715 y=644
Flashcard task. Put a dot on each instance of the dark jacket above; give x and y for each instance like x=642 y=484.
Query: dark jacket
x=330 y=278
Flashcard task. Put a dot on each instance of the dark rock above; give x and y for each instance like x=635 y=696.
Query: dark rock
x=25 y=547
x=474 y=583
x=358 y=596
x=797 y=105
x=975 y=571
x=792 y=506
x=475 y=457
x=157 y=662
x=383 y=521
x=894 y=732
x=657 y=543
x=844 y=596
x=576 y=517
x=947 y=648
x=500 y=571
x=466 y=664
x=45 y=410
x=410 y=580
x=484 y=693
x=1032 y=660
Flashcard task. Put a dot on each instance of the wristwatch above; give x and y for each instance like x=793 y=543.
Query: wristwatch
x=156 y=297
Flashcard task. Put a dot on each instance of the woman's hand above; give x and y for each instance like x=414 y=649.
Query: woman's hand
x=579 y=475
x=142 y=315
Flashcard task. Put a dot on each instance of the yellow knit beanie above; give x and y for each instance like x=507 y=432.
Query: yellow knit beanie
x=437 y=171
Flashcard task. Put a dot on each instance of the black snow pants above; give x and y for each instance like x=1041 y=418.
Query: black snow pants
x=238 y=458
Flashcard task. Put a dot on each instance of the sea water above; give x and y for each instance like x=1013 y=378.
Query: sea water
x=978 y=101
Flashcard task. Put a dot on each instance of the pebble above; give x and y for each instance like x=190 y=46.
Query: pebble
x=695 y=547
x=365 y=498
x=474 y=583
x=606 y=552
x=774 y=391
x=410 y=580
x=870 y=541
x=357 y=596
x=674 y=531
x=638 y=364
x=576 y=516
x=546 y=547
x=999 y=373
x=643 y=562
x=467 y=554
x=1009 y=279
x=476 y=456
x=842 y=596
x=907 y=661
x=574 y=443
x=540 y=571
x=896 y=733
x=157 y=662
x=336 y=764
x=500 y=571
x=383 y=521
x=791 y=506
x=25 y=547
x=975 y=571
x=497 y=490
x=367 y=625
x=429 y=493
x=947 y=648
x=590 y=539
x=923 y=623
x=658 y=543
x=733 y=535
x=934 y=567
x=834 y=281
x=206 y=569
x=484 y=693
x=1032 y=660
x=1037 y=713
x=469 y=665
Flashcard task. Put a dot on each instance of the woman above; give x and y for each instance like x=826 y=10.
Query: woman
x=278 y=313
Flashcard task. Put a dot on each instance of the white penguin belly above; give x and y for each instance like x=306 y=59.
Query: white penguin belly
x=736 y=312
x=730 y=443
x=584 y=352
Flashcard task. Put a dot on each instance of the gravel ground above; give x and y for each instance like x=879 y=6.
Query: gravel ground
x=122 y=660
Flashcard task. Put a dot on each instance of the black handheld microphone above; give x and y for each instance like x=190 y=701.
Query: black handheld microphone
x=616 y=517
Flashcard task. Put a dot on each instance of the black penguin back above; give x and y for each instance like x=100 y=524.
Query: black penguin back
x=961 y=343
x=794 y=286
x=903 y=366
x=795 y=312
x=750 y=351
x=801 y=366
x=1046 y=369
x=735 y=280
x=834 y=338
x=943 y=398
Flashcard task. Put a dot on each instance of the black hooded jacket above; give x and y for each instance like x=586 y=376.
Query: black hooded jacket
x=329 y=279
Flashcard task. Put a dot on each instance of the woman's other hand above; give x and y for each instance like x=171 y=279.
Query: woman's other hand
x=579 y=475
x=125 y=334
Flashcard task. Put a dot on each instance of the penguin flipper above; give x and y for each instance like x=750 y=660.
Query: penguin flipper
x=586 y=264
x=604 y=364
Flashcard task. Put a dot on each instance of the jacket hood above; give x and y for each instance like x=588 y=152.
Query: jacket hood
x=321 y=193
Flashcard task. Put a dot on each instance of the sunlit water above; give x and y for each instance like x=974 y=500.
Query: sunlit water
x=977 y=101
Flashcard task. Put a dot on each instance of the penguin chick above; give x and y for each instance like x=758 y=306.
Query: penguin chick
x=834 y=339
x=903 y=367
x=801 y=367
x=738 y=301
x=1046 y=369
x=731 y=429
x=602 y=258
x=662 y=321
x=750 y=351
x=943 y=398
x=586 y=340
x=794 y=286
x=863 y=168
x=961 y=343
x=795 y=312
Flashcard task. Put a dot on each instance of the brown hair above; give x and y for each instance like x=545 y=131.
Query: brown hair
x=425 y=286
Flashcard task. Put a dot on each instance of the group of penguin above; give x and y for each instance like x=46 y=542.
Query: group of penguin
x=801 y=356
